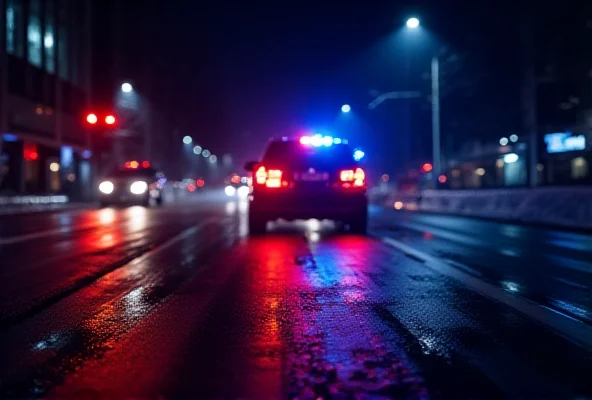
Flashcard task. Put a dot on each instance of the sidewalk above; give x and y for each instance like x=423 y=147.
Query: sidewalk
x=11 y=205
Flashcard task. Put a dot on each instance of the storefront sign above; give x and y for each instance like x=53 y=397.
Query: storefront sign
x=564 y=142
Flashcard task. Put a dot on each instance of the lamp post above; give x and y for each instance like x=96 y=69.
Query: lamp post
x=413 y=23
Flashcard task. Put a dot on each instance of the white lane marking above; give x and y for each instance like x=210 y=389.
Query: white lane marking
x=571 y=329
x=571 y=283
x=460 y=238
x=582 y=266
x=37 y=235
x=174 y=240
x=464 y=267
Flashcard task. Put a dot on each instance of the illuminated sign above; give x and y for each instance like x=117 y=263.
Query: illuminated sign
x=563 y=142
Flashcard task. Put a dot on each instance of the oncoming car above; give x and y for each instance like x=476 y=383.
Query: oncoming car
x=134 y=183
x=309 y=177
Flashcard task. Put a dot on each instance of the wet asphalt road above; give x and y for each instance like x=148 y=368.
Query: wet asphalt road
x=179 y=302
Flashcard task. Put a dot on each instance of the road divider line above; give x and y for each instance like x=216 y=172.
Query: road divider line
x=571 y=329
x=134 y=259
x=37 y=235
x=573 y=284
x=464 y=267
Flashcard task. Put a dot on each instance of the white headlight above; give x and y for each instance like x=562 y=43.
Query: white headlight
x=139 y=187
x=243 y=191
x=230 y=191
x=106 y=187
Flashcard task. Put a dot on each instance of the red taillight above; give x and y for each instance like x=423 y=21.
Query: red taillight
x=349 y=176
x=271 y=178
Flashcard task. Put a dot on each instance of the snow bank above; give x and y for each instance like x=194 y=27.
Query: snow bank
x=569 y=207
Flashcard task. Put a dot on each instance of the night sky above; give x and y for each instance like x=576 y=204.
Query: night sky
x=233 y=74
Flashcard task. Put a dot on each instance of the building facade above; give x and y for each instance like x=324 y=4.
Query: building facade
x=45 y=88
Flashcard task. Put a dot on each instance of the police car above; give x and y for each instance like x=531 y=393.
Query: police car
x=133 y=183
x=308 y=177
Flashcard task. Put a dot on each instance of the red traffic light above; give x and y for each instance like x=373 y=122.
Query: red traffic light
x=427 y=167
x=110 y=119
x=92 y=118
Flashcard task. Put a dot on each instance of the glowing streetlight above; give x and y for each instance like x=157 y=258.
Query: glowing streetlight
x=126 y=87
x=345 y=108
x=412 y=23
x=187 y=140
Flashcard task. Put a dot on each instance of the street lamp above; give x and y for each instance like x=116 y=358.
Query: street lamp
x=126 y=87
x=187 y=139
x=412 y=23
x=345 y=108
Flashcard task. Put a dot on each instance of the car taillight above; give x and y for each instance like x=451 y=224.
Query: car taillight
x=271 y=178
x=350 y=177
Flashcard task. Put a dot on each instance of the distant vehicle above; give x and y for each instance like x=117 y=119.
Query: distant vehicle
x=237 y=186
x=134 y=183
x=309 y=177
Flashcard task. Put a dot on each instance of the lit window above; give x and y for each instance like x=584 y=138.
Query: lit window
x=49 y=37
x=34 y=33
x=14 y=24
x=63 y=69
x=579 y=168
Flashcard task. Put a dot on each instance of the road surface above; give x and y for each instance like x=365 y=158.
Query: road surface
x=179 y=302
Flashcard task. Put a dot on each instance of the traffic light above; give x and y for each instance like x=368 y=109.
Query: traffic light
x=92 y=119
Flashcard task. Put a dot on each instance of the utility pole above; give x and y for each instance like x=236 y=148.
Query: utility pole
x=436 y=120
x=529 y=93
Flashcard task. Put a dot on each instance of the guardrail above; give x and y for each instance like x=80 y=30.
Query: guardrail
x=569 y=207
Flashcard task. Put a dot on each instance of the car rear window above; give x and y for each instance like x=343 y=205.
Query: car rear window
x=296 y=154
x=132 y=173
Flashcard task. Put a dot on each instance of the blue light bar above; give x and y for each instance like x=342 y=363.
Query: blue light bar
x=316 y=140
x=358 y=154
x=9 y=137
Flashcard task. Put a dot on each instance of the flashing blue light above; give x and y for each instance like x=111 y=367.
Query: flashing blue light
x=316 y=140
x=336 y=140
x=358 y=154
x=86 y=154
x=345 y=108
x=9 y=137
x=327 y=141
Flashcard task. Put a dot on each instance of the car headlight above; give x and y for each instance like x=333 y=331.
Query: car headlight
x=106 y=187
x=243 y=191
x=230 y=191
x=139 y=187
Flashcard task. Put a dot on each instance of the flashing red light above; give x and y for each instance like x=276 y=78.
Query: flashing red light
x=200 y=182
x=134 y=164
x=92 y=118
x=191 y=187
x=305 y=140
x=427 y=167
x=110 y=120
x=145 y=164
x=442 y=179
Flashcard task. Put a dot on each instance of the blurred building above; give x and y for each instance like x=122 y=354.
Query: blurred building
x=45 y=71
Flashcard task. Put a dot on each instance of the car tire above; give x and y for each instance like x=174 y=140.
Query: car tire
x=257 y=224
x=359 y=224
x=159 y=201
